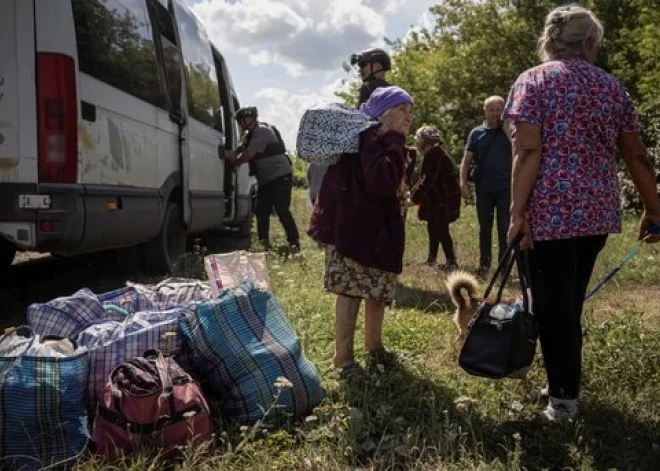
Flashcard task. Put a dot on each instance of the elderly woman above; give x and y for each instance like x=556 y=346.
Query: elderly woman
x=358 y=218
x=569 y=119
x=438 y=195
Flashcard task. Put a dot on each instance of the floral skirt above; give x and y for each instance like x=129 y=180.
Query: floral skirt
x=347 y=277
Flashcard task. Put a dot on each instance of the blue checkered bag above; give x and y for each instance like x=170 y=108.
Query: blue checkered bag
x=43 y=421
x=112 y=342
x=243 y=342
x=66 y=316
x=328 y=130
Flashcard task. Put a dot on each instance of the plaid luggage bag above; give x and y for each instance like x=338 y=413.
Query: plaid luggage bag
x=43 y=421
x=68 y=315
x=112 y=342
x=243 y=342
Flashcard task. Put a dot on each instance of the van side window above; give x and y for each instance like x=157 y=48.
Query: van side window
x=115 y=45
x=225 y=116
x=171 y=53
x=202 y=81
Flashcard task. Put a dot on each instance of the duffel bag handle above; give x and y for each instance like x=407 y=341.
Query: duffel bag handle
x=165 y=379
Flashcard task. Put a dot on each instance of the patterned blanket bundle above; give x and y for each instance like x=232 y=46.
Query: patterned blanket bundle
x=328 y=130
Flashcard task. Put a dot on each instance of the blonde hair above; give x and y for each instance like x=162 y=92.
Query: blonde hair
x=566 y=32
x=493 y=99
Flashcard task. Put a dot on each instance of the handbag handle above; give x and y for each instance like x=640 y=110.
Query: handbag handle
x=525 y=275
x=512 y=255
x=504 y=268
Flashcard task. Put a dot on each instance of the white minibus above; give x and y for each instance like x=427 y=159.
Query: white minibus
x=114 y=117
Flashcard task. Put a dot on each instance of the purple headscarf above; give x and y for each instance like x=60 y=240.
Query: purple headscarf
x=384 y=98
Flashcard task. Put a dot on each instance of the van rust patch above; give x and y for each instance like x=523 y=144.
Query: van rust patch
x=87 y=141
x=8 y=163
x=117 y=144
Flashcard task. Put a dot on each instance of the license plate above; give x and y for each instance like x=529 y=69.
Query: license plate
x=34 y=201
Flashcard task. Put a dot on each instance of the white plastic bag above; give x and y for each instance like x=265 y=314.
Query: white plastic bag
x=228 y=270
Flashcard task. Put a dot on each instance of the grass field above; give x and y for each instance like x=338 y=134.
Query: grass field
x=425 y=413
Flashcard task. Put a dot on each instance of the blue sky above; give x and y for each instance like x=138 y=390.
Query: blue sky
x=285 y=55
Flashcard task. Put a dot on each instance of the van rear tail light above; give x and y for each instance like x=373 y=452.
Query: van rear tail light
x=58 y=118
x=46 y=226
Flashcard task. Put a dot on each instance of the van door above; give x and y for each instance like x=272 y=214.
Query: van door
x=204 y=128
x=225 y=87
x=18 y=125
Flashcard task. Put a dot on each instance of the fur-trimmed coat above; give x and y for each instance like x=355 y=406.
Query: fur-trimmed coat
x=438 y=194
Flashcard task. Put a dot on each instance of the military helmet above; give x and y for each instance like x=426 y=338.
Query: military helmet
x=247 y=112
x=372 y=56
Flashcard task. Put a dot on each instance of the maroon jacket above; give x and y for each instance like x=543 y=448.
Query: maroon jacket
x=358 y=210
x=439 y=195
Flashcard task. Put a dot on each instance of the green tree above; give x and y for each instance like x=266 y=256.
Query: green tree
x=478 y=48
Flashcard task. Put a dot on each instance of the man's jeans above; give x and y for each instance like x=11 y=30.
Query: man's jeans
x=487 y=203
x=277 y=194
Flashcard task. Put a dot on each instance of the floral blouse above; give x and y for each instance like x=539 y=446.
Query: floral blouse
x=581 y=110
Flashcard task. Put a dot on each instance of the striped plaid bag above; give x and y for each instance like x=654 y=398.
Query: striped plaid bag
x=243 y=342
x=66 y=316
x=113 y=342
x=43 y=421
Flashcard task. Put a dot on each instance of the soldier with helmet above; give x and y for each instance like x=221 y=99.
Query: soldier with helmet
x=264 y=150
x=372 y=64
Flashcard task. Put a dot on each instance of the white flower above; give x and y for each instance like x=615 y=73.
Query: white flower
x=282 y=383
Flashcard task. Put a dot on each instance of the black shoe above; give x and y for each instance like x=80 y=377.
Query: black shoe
x=450 y=266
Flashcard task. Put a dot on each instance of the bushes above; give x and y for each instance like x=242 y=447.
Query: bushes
x=650 y=122
x=299 y=172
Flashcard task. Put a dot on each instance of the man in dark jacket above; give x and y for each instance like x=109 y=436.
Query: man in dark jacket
x=490 y=145
x=372 y=64
x=264 y=150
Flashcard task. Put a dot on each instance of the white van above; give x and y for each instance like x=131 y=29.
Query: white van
x=114 y=117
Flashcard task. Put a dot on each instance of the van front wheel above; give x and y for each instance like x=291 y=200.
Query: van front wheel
x=162 y=253
x=7 y=253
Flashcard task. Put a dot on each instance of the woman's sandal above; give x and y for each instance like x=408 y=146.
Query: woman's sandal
x=351 y=371
x=383 y=357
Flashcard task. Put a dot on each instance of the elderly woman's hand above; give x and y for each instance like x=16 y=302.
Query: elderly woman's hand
x=519 y=225
x=647 y=232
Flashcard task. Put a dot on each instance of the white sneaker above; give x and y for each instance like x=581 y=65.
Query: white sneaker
x=560 y=409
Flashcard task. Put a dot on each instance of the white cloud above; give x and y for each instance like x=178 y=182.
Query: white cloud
x=301 y=35
x=286 y=55
x=260 y=58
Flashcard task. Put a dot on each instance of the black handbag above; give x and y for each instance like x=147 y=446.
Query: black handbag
x=497 y=347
